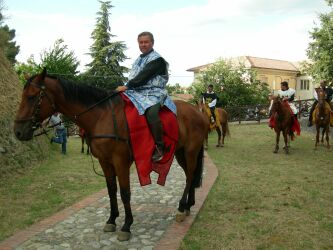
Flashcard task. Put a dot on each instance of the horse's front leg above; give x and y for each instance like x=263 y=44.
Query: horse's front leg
x=322 y=135
x=111 y=183
x=285 y=137
x=317 y=136
x=328 y=137
x=277 y=141
x=125 y=194
x=110 y=225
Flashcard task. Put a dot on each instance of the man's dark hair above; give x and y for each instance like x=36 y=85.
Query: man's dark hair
x=147 y=33
x=284 y=83
x=211 y=86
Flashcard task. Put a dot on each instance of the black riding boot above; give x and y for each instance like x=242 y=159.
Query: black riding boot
x=213 y=117
x=157 y=133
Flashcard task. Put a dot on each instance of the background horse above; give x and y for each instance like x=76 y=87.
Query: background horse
x=222 y=131
x=283 y=122
x=322 y=115
x=84 y=138
x=101 y=115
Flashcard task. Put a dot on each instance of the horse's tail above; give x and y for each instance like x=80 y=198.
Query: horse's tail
x=227 y=131
x=197 y=178
x=225 y=114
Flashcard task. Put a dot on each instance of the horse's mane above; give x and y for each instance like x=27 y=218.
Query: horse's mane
x=83 y=93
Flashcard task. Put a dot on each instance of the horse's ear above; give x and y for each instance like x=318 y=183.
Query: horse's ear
x=26 y=76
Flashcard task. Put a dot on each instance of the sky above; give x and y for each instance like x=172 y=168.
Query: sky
x=187 y=33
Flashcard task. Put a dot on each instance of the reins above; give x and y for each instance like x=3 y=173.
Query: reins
x=36 y=123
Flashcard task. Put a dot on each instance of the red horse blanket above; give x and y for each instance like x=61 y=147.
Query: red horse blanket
x=143 y=144
x=295 y=127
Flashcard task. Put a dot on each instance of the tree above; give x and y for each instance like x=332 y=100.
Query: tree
x=30 y=67
x=105 y=69
x=58 y=61
x=7 y=35
x=320 y=49
x=234 y=85
x=2 y=7
x=175 y=89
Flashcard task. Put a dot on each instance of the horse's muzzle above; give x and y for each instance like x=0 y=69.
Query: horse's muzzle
x=23 y=130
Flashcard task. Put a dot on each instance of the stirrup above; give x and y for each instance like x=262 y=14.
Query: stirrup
x=158 y=154
x=309 y=124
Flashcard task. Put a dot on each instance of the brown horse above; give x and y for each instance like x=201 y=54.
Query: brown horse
x=322 y=118
x=223 y=130
x=101 y=115
x=283 y=122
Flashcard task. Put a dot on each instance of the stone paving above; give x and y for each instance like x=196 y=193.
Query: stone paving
x=153 y=206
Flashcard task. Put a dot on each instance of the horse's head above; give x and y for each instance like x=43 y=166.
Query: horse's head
x=321 y=95
x=36 y=105
x=275 y=103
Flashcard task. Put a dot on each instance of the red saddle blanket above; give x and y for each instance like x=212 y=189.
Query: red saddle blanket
x=143 y=145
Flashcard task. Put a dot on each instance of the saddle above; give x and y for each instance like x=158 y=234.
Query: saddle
x=143 y=145
x=216 y=123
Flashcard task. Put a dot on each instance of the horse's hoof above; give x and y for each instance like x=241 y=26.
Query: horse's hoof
x=109 y=228
x=180 y=217
x=123 y=236
x=275 y=151
x=218 y=145
x=187 y=212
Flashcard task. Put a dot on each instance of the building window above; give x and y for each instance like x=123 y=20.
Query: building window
x=305 y=84
x=263 y=79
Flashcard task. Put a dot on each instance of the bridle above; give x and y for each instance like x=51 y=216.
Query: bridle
x=35 y=118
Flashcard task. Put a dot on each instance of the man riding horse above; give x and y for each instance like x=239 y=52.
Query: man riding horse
x=288 y=94
x=329 y=95
x=210 y=99
x=146 y=89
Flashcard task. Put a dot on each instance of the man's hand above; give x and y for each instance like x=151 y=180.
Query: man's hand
x=121 y=88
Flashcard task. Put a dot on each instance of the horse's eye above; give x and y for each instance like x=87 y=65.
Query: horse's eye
x=31 y=97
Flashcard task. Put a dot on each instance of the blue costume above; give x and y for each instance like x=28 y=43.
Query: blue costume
x=146 y=89
x=145 y=93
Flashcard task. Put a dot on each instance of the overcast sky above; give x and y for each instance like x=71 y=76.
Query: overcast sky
x=187 y=33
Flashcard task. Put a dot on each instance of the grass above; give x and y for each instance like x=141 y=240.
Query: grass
x=263 y=200
x=260 y=200
x=48 y=187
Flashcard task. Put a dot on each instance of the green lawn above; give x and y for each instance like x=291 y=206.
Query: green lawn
x=263 y=200
x=47 y=188
x=260 y=200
